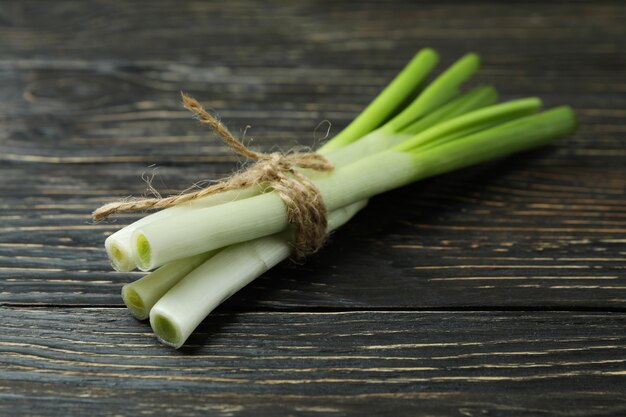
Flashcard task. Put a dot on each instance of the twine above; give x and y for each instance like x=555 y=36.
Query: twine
x=305 y=207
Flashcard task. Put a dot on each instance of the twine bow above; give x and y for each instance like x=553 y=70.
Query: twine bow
x=305 y=208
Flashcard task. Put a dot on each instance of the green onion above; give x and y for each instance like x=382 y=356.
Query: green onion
x=208 y=249
x=118 y=245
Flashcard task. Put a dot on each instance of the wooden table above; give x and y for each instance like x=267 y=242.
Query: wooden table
x=498 y=290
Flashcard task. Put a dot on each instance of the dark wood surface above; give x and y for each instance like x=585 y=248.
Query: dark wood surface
x=498 y=290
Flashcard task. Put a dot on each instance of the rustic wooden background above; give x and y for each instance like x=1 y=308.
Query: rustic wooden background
x=499 y=290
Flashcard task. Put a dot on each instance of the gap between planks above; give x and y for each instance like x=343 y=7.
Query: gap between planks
x=315 y=310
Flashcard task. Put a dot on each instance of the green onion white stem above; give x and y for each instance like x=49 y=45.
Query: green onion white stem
x=174 y=317
x=118 y=245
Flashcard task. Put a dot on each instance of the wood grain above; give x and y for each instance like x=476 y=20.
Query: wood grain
x=328 y=363
x=498 y=290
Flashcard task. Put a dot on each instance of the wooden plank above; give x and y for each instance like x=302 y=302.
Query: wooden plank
x=89 y=101
x=516 y=363
x=292 y=33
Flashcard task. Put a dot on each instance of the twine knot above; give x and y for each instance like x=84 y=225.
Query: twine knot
x=306 y=210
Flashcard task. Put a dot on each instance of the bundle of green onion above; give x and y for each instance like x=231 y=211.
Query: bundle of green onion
x=208 y=249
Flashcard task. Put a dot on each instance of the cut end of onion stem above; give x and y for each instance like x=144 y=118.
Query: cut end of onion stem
x=116 y=255
x=134 y=302
x=166 y=330
x=121 y=259
x=142 y=246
